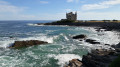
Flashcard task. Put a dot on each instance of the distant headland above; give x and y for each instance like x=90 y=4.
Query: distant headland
x=71 y=20
x=72 y=17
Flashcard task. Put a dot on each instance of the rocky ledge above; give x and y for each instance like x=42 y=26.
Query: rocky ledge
x=82 y=37
x=97 y=58
x=22 y=44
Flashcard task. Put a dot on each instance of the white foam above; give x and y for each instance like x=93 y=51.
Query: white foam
x=65 y=58
x=41 y=38
x=6 y=42
x=30 y=24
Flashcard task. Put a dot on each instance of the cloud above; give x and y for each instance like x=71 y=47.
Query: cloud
x=98 y=15
x=12 y=12
x=44 y=2
x=7 y=7
x=101 y=5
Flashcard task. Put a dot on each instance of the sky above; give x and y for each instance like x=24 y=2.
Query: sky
x=56 y=9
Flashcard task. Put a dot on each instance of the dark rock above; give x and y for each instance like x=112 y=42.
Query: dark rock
x=98 y=58
x=92 y=41
x=116 y=46
x=81 y=40
x=112 y=53
x=107 y=44
x=99 y=29
x=11 y=37
x=82 y=36
x=117 y=49
x=74 y=63
x=21 y=44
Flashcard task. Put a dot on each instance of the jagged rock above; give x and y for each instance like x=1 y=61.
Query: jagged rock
x=74 y=63
x=21 y=44
x=116 y=46
x=92 y=41
x=107 y=44
x=82 y=36
x=117 y=49
x=99 y=58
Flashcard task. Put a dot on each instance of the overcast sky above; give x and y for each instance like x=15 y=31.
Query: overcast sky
x=56 y=9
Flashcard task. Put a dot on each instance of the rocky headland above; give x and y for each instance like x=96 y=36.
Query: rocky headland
x=103 y=25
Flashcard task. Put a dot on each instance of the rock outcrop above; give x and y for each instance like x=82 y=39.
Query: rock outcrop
x=74 y=63
x=21 y=44
x=82 y=36
x=97 y=58
x=92 y=41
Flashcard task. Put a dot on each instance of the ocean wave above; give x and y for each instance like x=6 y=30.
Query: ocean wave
x=30 y=24
x=64 y=58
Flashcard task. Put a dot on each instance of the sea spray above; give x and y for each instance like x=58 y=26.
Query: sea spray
x=64 y=58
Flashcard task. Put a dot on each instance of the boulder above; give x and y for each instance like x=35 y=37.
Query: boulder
x=98 y=58
x=21 y=44
x=92 y=41
x=82 y=36
x=74 y=63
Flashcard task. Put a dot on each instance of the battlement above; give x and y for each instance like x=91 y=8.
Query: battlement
x=71 y=16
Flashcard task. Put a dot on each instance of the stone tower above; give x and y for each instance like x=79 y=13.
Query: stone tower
x=71 y=16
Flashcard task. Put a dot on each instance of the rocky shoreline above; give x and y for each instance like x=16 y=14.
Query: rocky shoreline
x=102 y=25
x=97 y=57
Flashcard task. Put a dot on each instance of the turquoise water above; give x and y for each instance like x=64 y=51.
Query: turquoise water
x=57 y=53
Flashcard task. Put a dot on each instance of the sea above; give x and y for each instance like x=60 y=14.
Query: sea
x=61 y=47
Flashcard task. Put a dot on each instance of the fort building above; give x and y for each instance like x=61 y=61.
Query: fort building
x=71 y=16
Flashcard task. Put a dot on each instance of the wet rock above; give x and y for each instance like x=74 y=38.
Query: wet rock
x=107 y=44
x=99 y=58
x=74 y=63
x=116 y=46
x=11 y=37
x=82 y=36
x=92 y=41
x=21 y=44
x=117 y=49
